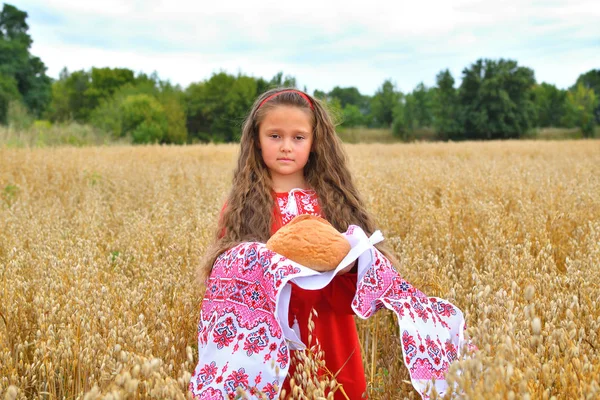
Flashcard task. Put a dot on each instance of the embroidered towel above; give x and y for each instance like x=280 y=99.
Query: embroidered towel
x=244 y=337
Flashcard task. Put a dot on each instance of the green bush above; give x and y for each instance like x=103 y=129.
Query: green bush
x=18 y=117
x=144 y=114
x=352 y=116
x=148 y=132
x=580 y=105
x=173 y=106
x=107 y=117
x=8 y=93
x=144 y=119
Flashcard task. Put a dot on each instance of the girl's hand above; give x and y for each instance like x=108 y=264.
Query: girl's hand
x=350 y=268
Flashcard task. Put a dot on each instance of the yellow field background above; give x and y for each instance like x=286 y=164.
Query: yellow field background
x=99 y=246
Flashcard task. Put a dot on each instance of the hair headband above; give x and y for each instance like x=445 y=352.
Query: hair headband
x=304 y=96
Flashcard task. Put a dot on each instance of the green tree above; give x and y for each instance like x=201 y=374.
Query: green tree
x=262 y=86
x=34 y=86
x=352 y=116
x=239 y=100
x=319 y=94
x=58 y=109
x=580 y=106
x=9 y=92
x=353 y=105
x=144 y=118
x=109 y=115
x=198 y=121
x=28 y=71
x=549 y=104
x=400 y=125
x=445 y=107
x=213 y=106
x=405 y=120
x=282 y=81
x=496 y=98
x=334 y=108
x=423 y=105
x=68 y=97
x=77 y=94
x=172 y=100
x=216 y=108
x=104 y=82
x=348 y=95
x=591 y=80
x=384 y=102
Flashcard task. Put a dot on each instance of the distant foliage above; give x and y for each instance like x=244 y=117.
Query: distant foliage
x=144 y=118
x=580 y=106
x=172 y=102
x=22 y=75
x=591 y=80
x=447 y=118
x=549 y=104
x=423 y=105
x=497 y=99
x=352 y=116
x=18 y=117
x=348 y=96
x=8 y=92
x=354 y=108
x=403 y=117
x=216 y=108
x=384 y=102
x=163 y=98
x=76 y=95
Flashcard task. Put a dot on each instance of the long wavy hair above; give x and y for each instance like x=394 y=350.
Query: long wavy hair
x=248 y=215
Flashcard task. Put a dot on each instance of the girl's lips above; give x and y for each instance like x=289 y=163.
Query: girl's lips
x=284 y=159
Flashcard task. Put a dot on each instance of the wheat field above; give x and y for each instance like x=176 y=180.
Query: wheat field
x=99 y=245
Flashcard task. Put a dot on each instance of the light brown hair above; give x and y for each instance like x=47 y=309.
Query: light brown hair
x=248 y=215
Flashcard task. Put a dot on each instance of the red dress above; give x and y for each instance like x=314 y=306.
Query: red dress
x=335 y=326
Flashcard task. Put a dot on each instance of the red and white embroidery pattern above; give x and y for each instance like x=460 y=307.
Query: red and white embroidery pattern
x=238 y=332
x=242 y=344
x=297 y=202
x=431 y=328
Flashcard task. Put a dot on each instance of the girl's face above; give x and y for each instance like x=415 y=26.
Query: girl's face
x=285 y=139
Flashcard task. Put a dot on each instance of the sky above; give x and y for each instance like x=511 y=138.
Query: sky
x=321 y=43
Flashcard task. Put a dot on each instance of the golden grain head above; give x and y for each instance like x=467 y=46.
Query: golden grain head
x=99 y=247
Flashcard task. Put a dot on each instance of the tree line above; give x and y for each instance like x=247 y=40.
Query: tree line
x=496 y=99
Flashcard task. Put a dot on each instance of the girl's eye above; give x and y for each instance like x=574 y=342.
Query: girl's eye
x=300 y=137
x=274 y=135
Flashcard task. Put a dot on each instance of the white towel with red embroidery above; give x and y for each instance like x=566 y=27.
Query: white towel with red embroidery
x=244 y=337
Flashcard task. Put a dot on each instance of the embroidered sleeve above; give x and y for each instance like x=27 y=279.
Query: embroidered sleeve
x=240 y=341
x=431 y=329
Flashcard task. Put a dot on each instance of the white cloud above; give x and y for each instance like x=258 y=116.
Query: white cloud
x=322 y=43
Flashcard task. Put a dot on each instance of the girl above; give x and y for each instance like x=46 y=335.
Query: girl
x=291 y=162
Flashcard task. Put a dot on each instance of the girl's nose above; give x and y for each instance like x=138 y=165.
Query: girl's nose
x=286 y=145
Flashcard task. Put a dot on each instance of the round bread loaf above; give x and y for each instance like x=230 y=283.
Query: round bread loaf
x=310 y=241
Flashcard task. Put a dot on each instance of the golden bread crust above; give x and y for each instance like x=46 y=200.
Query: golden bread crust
x=310 y=241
